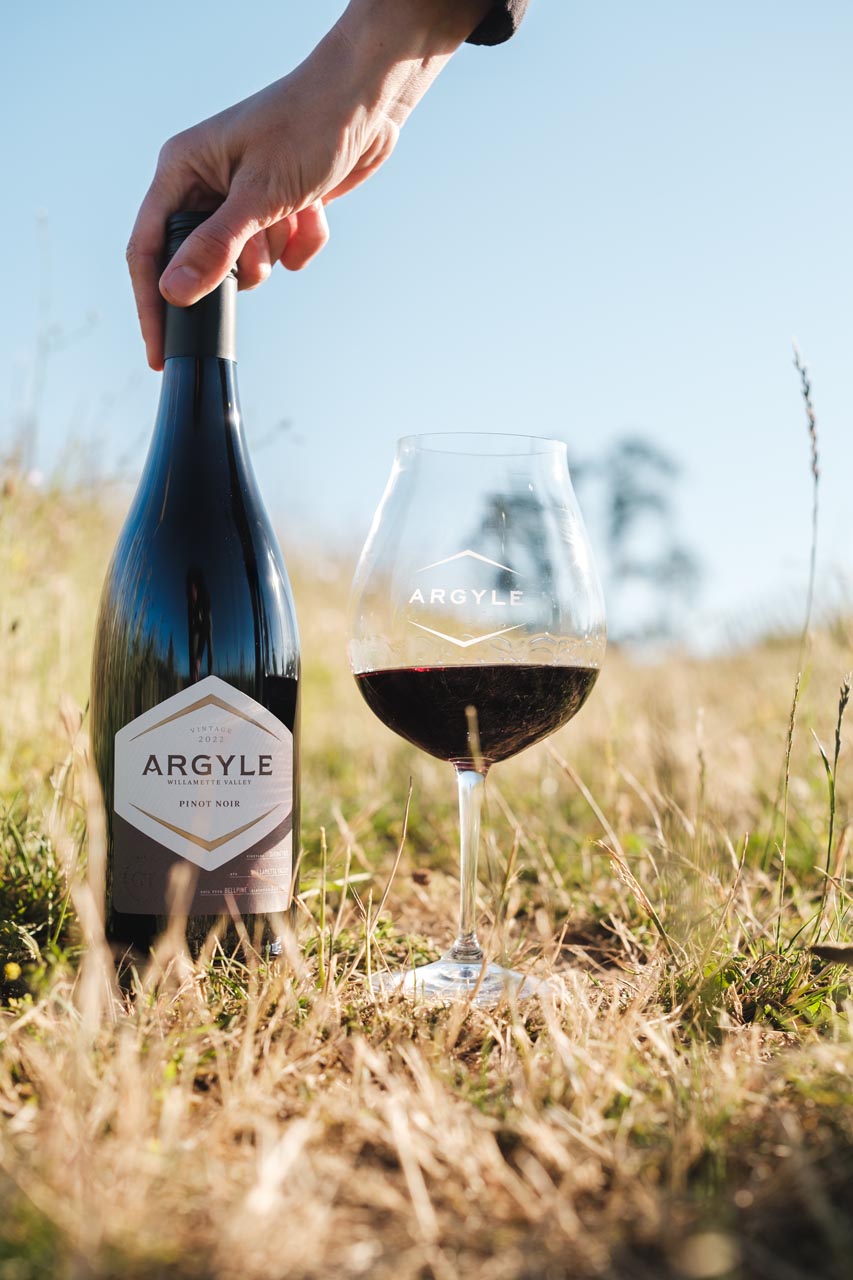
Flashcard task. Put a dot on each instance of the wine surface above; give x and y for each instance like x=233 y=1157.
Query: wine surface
x=516 y=705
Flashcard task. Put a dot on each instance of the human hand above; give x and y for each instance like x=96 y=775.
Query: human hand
x=271 y=162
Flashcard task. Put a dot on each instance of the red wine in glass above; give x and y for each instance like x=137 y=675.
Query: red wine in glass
x=515 y=705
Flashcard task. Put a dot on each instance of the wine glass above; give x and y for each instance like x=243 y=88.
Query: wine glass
x=477 y=629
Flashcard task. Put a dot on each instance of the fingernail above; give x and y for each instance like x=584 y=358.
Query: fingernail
x=181 y=283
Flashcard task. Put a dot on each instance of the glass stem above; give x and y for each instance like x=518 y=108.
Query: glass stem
x=466 y=949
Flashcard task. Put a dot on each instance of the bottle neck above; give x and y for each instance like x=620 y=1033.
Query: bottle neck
x=199 y=406
x=198 y=445
x=206 y=329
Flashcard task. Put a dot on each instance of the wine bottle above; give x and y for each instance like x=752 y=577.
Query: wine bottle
x=195 y=676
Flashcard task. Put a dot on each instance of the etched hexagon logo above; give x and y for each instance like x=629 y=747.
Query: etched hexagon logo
x=484 y=593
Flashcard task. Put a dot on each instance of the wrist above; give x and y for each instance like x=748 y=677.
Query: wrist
x=417 y=28
x=399 y=46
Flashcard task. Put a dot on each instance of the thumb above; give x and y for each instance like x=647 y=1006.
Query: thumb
x=205 y=258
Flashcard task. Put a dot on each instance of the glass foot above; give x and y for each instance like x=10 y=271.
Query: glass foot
x=448 y=979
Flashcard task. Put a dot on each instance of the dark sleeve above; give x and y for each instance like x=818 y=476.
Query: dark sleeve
x=500 y=24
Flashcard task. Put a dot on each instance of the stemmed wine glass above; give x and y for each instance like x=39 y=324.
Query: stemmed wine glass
x=477 y=630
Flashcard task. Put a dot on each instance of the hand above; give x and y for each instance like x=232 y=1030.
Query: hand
x=269 y=164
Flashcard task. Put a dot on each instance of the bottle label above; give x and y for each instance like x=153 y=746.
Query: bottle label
x=205 y=777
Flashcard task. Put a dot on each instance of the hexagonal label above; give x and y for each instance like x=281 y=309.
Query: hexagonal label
x=208 y=773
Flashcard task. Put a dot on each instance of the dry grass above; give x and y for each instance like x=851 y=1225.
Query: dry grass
x=680 y=1105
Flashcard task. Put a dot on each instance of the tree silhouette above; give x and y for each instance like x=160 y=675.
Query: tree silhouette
x=650 y=577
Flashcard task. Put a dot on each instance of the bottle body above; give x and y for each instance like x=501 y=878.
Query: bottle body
x=195 y=681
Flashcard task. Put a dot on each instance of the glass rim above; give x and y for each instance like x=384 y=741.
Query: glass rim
x=505 y=444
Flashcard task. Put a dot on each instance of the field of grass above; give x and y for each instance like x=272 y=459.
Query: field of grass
x=680 y=1105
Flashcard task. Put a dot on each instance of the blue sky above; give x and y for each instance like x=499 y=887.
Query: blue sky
x=613 y=224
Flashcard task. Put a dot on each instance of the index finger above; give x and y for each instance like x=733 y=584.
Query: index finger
x=144 y=260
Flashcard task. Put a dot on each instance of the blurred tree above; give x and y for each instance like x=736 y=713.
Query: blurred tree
x=650 y=577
